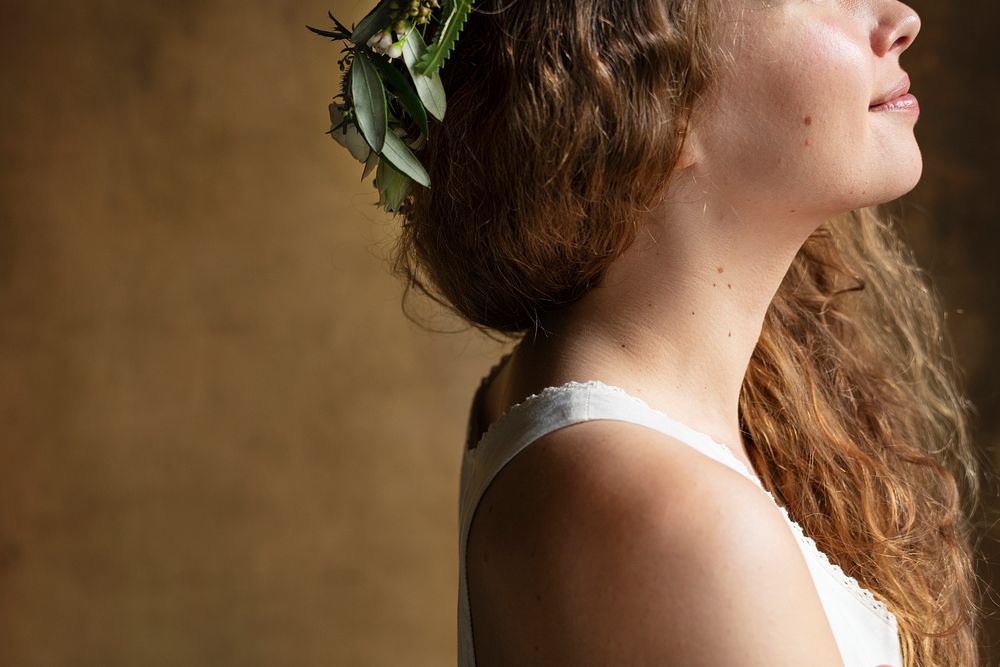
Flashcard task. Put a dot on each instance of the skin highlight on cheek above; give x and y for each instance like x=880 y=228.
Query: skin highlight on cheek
x=803 y=76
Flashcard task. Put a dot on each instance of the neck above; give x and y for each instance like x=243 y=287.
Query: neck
x=678 y=316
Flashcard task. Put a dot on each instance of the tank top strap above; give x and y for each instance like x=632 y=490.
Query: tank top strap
x=559 y=406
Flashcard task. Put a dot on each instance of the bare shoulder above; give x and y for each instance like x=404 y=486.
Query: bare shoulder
x=609 y=543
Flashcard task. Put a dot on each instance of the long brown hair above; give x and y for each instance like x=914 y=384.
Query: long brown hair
x=564 y=121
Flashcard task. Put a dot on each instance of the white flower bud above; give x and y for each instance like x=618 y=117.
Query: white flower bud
x=394 y=51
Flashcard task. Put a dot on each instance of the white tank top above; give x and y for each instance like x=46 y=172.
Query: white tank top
x=864 y=629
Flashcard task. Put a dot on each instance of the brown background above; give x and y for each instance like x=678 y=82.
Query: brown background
x=221 y=442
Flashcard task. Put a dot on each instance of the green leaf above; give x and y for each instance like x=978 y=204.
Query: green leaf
x=441 y=48
x=342 y=32
x=393 y=187
x=401 y=157
x=340 y=26
x=376 y=20
x=331 y=35
x=370 y=164
x=404 y=90
x=368 y=98
x=430 y=88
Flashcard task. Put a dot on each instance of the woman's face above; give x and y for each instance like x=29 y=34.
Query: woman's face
x=790 y=127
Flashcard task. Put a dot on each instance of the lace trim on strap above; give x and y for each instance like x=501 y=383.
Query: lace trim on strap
x=865 y=596
x=568 y=387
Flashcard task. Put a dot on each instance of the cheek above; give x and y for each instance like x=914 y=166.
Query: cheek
x=804 y=118
x=820 y=118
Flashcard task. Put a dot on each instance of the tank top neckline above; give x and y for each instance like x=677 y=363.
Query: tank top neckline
x=863 y=594
x=576 y=385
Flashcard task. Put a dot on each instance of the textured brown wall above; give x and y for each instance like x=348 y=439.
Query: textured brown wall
x=222 y=443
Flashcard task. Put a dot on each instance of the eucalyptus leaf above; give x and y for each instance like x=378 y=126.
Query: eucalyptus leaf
x=376 y=20
x=429 y=88
x=368 y=97
x=404 y=90
x=399 y=155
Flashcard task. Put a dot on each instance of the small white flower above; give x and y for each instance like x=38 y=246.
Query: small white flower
x=348 y=135
x=380 y=41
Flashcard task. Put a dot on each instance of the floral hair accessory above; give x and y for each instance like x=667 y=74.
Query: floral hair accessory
x=382 y=117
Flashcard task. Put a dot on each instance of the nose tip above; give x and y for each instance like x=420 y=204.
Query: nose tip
x=906 y=33
x=897 y=28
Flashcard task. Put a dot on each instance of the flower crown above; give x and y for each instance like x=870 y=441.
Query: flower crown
x=382 y=117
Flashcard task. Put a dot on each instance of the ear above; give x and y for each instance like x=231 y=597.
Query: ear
x=690 y=148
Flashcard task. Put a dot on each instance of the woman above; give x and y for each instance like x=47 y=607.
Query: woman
x=671 y=203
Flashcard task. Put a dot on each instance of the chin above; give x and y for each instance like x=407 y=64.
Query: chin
x=906 y=179
x=906 y=171
x=893 y=184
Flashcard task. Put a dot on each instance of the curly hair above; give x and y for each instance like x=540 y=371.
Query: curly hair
x=564 y=123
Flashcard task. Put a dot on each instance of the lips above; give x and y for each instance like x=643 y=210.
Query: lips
x=897 y=91
x=904 y=103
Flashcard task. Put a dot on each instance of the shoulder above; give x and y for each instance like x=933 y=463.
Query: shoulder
x=607 y=542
